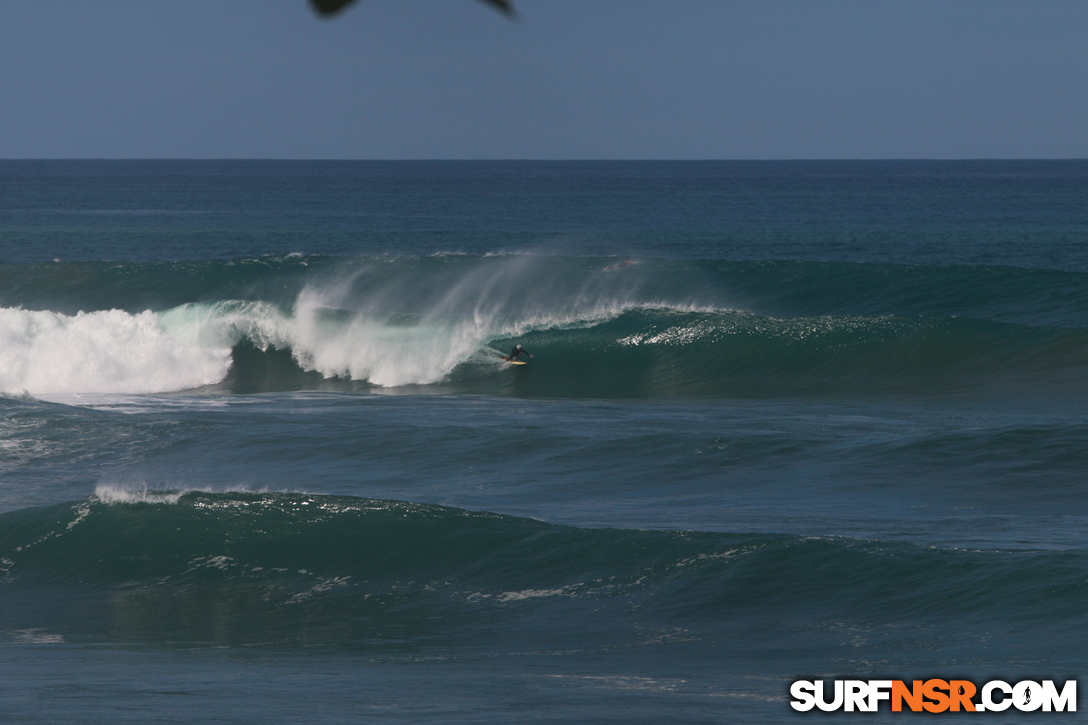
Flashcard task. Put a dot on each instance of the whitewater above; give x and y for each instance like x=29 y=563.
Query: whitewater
x=261 y=460
x=654 y=329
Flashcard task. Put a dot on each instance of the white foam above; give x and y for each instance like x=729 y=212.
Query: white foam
x=109 y=351
x=535 y=593
x=82 y=512
x=115 y=495
x=364 y=342
x=36 y=636
x=331 y=329
x=114 y=352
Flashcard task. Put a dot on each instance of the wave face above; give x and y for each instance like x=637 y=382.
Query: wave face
x=720 y=471
x=596 y=327
x=275 y=567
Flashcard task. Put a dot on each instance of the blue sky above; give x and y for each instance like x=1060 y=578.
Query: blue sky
x=572 y=79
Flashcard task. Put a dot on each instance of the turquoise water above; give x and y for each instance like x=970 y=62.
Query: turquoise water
x=260 y=459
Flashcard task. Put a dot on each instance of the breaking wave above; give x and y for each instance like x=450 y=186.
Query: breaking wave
x=628 y=329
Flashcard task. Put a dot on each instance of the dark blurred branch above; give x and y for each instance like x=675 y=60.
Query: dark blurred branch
x=328 y=8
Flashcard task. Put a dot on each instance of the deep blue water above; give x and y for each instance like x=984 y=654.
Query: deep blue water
x=260 y=460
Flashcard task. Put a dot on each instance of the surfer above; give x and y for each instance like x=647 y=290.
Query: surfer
x=517 y=352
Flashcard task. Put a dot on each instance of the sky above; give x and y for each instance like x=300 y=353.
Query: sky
x=570 y=79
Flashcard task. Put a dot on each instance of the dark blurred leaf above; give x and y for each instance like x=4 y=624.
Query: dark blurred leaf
x=329 y=7
x=332 y=7
x=503 y=6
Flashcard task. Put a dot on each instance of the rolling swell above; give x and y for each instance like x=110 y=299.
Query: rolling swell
x=673 y=353
x=275 y=567
x=597 y=327
x=654 y=353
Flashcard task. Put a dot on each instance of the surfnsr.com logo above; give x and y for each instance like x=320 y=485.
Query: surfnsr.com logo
x=933 y=696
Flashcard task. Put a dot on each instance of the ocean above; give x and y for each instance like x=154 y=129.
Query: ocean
x=261 y=459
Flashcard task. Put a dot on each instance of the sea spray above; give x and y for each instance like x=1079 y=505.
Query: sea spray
x=658 y=328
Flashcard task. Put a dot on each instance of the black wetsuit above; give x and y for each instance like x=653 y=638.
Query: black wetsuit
x=517 y=352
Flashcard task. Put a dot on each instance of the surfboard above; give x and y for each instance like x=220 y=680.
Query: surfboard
x=506 y=360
